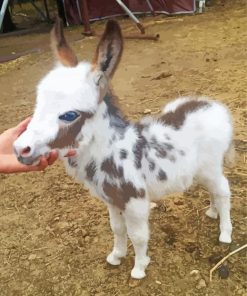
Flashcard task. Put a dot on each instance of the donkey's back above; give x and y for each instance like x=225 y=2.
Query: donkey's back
x=189 y=139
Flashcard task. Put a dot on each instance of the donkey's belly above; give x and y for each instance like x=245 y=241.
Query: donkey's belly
x=165 y=187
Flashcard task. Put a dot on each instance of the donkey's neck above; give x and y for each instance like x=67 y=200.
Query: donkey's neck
x=114 y=115
x=101 y=135
x=109 y=124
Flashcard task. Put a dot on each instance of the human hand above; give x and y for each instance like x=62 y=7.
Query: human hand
x=10 y=164
x=8 y=161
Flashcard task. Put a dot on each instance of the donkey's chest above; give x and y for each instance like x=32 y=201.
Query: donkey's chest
x=87 y=173
x=108 y=180
x=80 y=170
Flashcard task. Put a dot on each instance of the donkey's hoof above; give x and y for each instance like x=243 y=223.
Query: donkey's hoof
x=225 y=237
x=137 y=273
x=212 y=213
x=113 y=260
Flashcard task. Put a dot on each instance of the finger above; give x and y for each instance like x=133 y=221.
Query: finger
x=70 y=153
x=41 y=165
x=52 y=157
x=22 y=126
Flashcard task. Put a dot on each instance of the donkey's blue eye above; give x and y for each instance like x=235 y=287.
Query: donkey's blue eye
x=69 y=116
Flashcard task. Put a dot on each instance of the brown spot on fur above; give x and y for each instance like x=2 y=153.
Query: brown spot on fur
x=112 y=192
x=123 y=154
x=161 y=148
x=140 y=146
x=172 y=158
x=168 y=146
x=109 y=167
x=161 y=152
x=176 y=118
x=162 y=175
x=90 y=170
x=141 y=193
x=151 y=165
x=67 y=133
x=60 y=46
x=72 y=162
x=119 y=196
x=181 y=152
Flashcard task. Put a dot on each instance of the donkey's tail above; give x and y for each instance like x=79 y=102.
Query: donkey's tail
x=230 y=156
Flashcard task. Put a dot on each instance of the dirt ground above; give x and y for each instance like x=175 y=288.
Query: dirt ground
x=54 y=237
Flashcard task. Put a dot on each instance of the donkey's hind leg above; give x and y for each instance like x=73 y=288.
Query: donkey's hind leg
x=212 y=211
x=223 y=205
x=218 y=186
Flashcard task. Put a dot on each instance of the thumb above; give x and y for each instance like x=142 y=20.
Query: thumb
x=22 y=126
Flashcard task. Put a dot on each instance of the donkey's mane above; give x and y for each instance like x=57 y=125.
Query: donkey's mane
x=117 y=117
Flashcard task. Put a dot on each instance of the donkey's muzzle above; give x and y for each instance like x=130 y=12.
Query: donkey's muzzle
x=27 y=160
x=25 y=155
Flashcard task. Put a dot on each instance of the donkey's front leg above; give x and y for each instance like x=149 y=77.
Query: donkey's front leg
x=136 y=216
x=120 y=236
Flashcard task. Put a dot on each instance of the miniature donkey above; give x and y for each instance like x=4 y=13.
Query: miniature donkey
x=127 y=164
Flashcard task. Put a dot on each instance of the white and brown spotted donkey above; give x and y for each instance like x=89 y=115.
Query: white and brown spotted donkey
x=127 y=164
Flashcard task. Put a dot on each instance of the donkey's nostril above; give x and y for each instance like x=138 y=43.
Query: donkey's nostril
x=26 y=150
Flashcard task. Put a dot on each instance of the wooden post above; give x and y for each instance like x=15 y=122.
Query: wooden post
x=85 y=17
x=47 y=11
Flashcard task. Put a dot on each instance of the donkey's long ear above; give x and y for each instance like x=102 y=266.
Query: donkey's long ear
x=109 y=50
x=60 y=46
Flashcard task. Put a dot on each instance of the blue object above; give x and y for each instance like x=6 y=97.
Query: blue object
x=69 y=116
